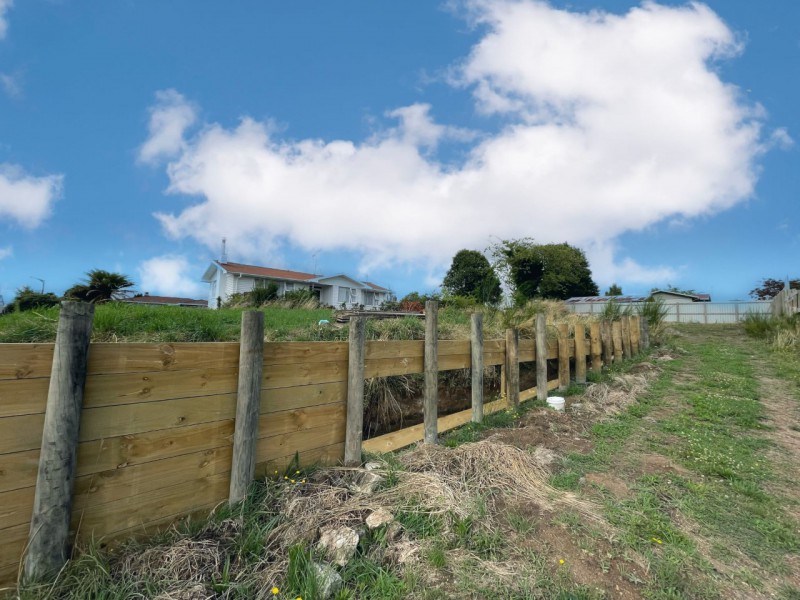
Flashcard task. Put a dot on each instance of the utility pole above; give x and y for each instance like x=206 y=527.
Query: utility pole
x=39 y=279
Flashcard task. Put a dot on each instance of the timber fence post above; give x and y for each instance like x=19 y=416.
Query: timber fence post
x=636 y=337
x=608 y=342
x=616 y=338
x=512 y=366
x=596 y=346
x=48 y=538
x=355 y=392
x=645 y=333
x=541 y=357
x=563 y=356
x=431 y=395
x=625 y=325
x=476 y=348
x=580 y=353
x=248 y=402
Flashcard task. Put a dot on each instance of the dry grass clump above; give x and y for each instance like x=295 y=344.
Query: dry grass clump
x=491 y=470
x=615 y=396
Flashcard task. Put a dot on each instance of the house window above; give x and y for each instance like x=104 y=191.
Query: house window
x=369 y=298
x=344 y=293
x=353 y=292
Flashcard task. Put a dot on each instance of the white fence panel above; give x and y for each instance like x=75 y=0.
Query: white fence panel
x=692 y=312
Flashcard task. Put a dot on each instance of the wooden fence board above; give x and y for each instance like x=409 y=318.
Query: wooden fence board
x=280 y=376
x=301 y=353
x=16 y=507
x=453 y=348
x=377 y=349
x=325 y=455
x=112 y=421
x=279 y=399
x=108 y=358
x=492 y=359
x=386 y=367
x=118 y=452
x=132 y=511
x=527 y=350
x=289 y=421
x=18 y=469
x=21 y=433
x=130 y=388
x=270 y=448
x=117 y=484
x=530 y=393
x=25 y=361
x=23 y=396
x=14 y=541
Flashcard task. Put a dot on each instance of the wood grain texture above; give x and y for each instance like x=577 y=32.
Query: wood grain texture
x=23 y=396
x=625 y=327
x=271 y=448
x=18 y=469
x=616 y=339
x=110 y=358
x=563 y=355
x=430 y=398
x=322 y=456
x=541 y=357
x=355 y=392
x=476 y=366
x=291 y=375
x=512 y=367
x=533 y=392
x=280 y=399
x=580 y=353
x=301 y=353
x=608 y=342
x=16 y=507
x=596 y=346
x=25 y=361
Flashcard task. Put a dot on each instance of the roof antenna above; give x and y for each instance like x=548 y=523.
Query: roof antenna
x=224 y=257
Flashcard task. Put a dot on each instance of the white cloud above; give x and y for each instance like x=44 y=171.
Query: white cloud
x=6 y=252
x=26 y=199
x=170 y=275
x=5 y=5
x=169 y=118
x=606 y=270
x=11 y=85
x=614 y=123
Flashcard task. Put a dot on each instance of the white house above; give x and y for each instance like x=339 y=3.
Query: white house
x=227 y=278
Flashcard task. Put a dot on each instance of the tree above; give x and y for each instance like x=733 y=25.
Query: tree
x=28 y=299
x=472 y=276
x=769 y=288
x=614 y=290
x=100 y=286
x=557 y=271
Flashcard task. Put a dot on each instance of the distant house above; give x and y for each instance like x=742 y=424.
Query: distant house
x=166 y=301
x=665 y=296
x=227 y=278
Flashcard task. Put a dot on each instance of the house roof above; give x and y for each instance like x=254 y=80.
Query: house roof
x=169 y=300
x=266 y=272
x=630 y=299
x=377 y=288
x=695 y=297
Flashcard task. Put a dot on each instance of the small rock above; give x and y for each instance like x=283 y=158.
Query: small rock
x=393 y=530
x=339 y=543
x=329 y=582
x=402 y=552
x=367 y=483
x=379 y=517
x=373 y=466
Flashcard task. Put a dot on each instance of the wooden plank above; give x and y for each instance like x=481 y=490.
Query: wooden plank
x=324 y=456
x=23 y=396
x=625 y=325
x=131 y=388
x=580 y=353
x=454 y=361
x=302 y=396
x=616 y=339
x=108 y=358
x=635 y=328
x=596 y=346
x=14 y=541
x=512 y=367
x=527 y=350
x=290 y=375
x=119 y=452
x=117 y=484
x=112 y=421
x=608 y=343
x=274 y=447
x=492 y=359
x=279 y=423
x=25 y=361
x=18 y=470
x=533 y=392
x=453 y=348
x=385 y=367
x=106 y=519
x=377 y=349
x=541 y=356
x=430 y=393
x=476 y=366
x=304 y=353
x=563 y=355
x=16 y=507
x=410 y=435
x=21 y=433
x=354 y=414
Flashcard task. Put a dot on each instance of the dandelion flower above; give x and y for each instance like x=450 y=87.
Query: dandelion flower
x=275 y=591
x=561 y=561
x=285 y=477
x=292 y=480
x=297 y=472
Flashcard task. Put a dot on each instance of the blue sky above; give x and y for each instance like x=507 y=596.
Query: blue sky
x=378 y=138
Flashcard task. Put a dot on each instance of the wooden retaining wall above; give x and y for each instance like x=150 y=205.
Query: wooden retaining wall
x=157 y=422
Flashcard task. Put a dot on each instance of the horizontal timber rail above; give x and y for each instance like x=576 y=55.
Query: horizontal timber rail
x=157 y=428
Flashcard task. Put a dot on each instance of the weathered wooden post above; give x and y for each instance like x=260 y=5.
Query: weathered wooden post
x=563 y=356
x=512 y=366
x=608 y=343
x=625 y=325
x=541 y=357
x=354 y=430
x=596 y=346
x=48 y=538
x=645 y=333
x=431 y=394
x=635 y=339
x=616 y=338
x=580 y=353
x=476 y=350
x=248 y=401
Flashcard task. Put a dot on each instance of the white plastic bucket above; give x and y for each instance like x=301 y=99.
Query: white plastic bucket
x=556 y=402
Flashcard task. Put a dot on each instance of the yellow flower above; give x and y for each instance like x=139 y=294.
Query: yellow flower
x=285 y=477
x=292 y=480
x=561 y=561
x=297 y=472
x=657 y=541
x=303 y=481
x=275 y=591
x=276 y=472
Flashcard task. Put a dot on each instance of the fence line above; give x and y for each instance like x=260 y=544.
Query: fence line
x=157 y=422
x=786 y=302
x=691 y=312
